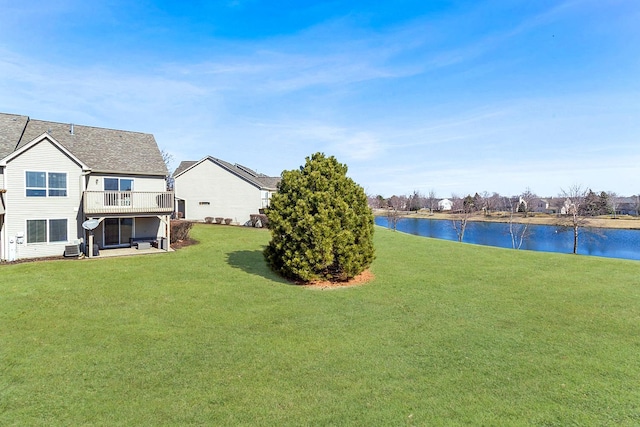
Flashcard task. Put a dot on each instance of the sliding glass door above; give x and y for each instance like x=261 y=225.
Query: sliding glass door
x=118 y=191
x=117 y=231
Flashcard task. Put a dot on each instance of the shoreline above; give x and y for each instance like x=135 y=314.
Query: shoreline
x=624 y=222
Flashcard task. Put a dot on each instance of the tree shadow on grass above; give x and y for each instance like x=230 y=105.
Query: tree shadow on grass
x=253 y=262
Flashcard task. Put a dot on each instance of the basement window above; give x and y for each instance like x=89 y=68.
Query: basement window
x=46 y=231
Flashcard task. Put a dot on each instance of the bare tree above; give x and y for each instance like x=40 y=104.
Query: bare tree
x=393 y=216
x=167 y=158
x=518 y=231
x=376 y=202
x=492 y=202
x=432 y=200
x=463 y=209
x=395 y=205
x=574 y=199
x=527 y=198
x=507 y=204
x=614 y=200
x=416 y=201
x=399 y=203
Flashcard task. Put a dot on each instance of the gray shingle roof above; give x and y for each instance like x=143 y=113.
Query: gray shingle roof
x=11 y=127
x=252 y=177
x=103 y=150
x=183 y=166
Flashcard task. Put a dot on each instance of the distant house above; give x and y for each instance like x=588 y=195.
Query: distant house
x=547 y=205
x=214 y=188
x=445 y=205
x=627 y=205
x=55 y=176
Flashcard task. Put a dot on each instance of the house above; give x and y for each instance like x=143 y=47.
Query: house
x=623 y=205
x=445 y=205
x=56 y=176
x=539 y=205
x=214 y=188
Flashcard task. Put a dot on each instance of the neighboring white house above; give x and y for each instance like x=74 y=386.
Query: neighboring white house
x=55 y=176
x=445 y=205
x=214 y=188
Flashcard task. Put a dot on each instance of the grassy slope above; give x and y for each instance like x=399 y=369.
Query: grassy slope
x=447 y=334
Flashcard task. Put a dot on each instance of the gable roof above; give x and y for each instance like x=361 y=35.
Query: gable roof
x=183 y=166
x=254 y=178
x=38 y=140
x=102 y=150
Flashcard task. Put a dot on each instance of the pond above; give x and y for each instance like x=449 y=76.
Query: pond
x=605 y=242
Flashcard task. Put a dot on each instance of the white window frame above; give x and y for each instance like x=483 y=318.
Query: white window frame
x=117 y=197
x=47 y=189
x=47 y=231
x=119 y=179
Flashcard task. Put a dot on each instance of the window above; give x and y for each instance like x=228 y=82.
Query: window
x=57 y=184
x=204 y=203
x=57 y=230
x=36 y=184
x=41 y=184
x=114 y=189
x=37 y=230
x=266 y=198
x=118 y=184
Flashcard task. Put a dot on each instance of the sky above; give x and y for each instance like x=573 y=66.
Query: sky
x=454 y=97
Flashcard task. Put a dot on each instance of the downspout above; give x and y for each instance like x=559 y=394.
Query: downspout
x=4 y=240
x=2 y=248
x=83 y=188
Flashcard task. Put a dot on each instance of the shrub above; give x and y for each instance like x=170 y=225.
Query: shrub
x=219 y=220
x=208 y=220
x=228 y=220
x=321 y=225
x=180 y=230
x=259 y=220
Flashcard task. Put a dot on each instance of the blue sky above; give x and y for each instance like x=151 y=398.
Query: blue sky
x=452 y=96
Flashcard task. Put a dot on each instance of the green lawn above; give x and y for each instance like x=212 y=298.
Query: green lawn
x=447 y=334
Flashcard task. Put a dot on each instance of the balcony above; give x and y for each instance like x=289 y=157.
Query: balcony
x=128 y=202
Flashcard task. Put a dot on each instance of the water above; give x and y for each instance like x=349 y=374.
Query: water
x=605 y=242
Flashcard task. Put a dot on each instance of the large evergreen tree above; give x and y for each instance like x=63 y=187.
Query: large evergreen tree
x=321 y=225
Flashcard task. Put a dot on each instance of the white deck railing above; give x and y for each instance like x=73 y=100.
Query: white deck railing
x=128 y=202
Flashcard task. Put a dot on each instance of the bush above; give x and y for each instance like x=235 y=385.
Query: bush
x=208 y=220
x=180 y=230
x=321 y=225
x=259 y=220
x=219 y=220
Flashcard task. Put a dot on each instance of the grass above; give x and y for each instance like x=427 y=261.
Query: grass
x=447 y=334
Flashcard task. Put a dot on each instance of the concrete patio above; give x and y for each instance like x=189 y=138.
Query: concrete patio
x=108 y=253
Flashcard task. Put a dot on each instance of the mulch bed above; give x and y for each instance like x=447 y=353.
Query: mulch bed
x=361 y=279
x=183 y=244
x=49 y=258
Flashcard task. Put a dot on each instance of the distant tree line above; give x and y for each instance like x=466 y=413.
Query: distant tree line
x=591 y=203
x=572 y=207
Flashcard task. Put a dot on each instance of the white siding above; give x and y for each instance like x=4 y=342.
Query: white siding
x=227 y=195
x=148 y=227
x=20 y=208
x=95 y=182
